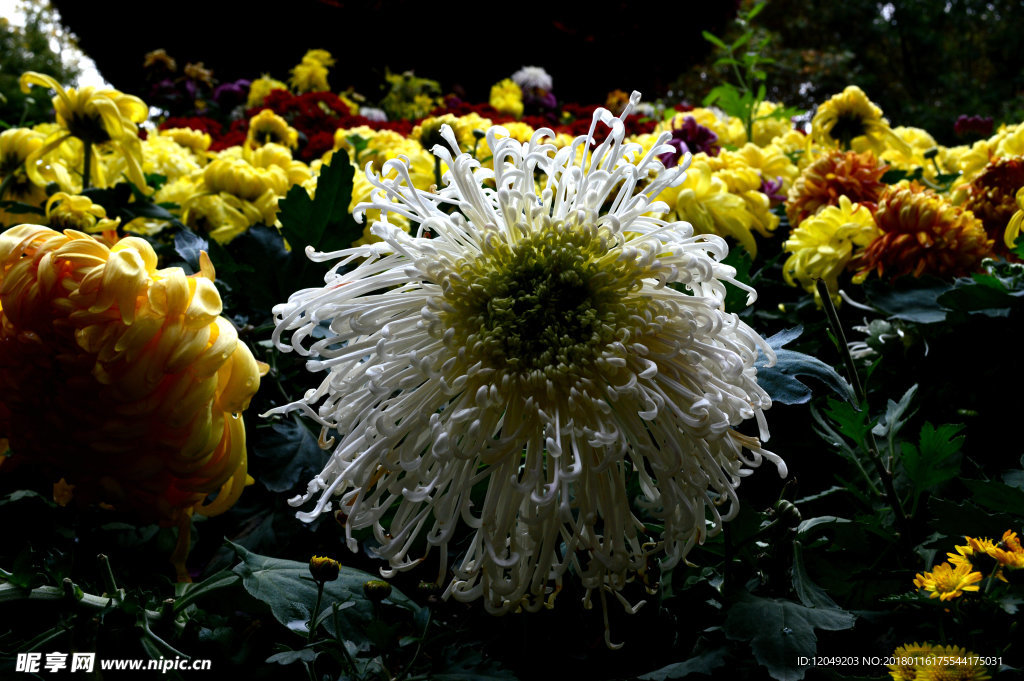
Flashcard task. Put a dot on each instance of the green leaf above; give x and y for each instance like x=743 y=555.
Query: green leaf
x=322 y=222
x=910 y=299
x=996 y=496
x=188 y=245
x=936 y=459
x=893 y=421
x=292 y=656
x=288 y=589
x=780 y=379
x=288 y=453
x=781 y=631
x=713 y=39
x=705 y=663
x=809 y=593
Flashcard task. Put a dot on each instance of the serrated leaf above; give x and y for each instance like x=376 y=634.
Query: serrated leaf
x=288 y=589
x=781 y=631
x=780 y=380
x=935 y=460
x=705 y=663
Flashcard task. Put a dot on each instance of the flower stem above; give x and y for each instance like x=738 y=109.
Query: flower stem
x=87 y=165
x=858 y=389
x=316 y=610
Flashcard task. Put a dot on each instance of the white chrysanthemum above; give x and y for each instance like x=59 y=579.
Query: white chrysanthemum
x=522 y=362
x=532 y=78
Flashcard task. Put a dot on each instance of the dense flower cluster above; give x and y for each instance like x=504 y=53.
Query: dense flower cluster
x=959 y=574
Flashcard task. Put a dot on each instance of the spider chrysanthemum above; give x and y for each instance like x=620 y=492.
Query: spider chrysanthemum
x=549 y=350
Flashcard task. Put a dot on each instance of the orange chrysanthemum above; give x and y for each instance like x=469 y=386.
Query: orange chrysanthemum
x=122 y=379
x=992 y=197
x=837 y=173
x=924 y=234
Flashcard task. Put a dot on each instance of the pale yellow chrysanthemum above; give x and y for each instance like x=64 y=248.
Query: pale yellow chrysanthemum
x=272 y=154
x=235 y=195
x=261 y=87
x=910 y=157
x=770 y=161
x=947 y=581
x=767 y=127
x=1008 y=141
x=704 y=200
x=798 y=147
x=824 y=245
x=162 y=155
x=507 y=97
x=196 y=140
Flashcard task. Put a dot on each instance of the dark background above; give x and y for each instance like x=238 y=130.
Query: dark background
x=589 y=48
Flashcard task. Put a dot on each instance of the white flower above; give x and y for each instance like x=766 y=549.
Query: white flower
x=373 y=113
x=532 y=78
x=519 y=364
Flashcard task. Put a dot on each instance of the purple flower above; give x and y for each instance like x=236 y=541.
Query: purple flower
x=772 y=189
x=690 y=137
x=230 y=95
x=973 y=125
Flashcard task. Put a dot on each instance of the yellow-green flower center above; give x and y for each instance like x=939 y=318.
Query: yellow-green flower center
x=546 y=305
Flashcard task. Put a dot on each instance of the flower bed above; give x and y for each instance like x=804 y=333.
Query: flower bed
x=516 y=358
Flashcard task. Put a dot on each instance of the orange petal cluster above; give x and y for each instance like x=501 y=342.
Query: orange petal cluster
x=991 y=196
x=924 y=234
x=836 y=173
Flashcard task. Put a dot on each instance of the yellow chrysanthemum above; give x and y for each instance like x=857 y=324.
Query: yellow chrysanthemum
x=952 y=663
x=133 y=365
x=908 y=659
x=319 y=56
x=766 y=126
x=704 y=201
x=378 y=147
x=909 y=158
x=164 y=156
x=196 y=140
x=826 y=243
x=947 y=581
x=507 y=97
x=729 y=129
x=16 y=145
x=234 y=196
x=261 y=87
x=78 y=213
x=849 y=116
x=95 y=117
x=310 y=76
x=770 y=162
x=924 y=233
x=266 y=127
